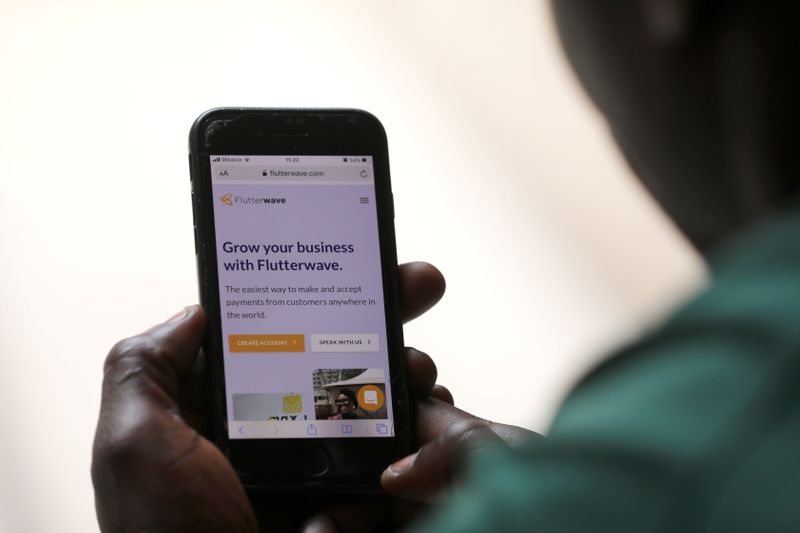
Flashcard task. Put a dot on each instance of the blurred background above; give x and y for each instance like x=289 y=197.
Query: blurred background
x=503 y=175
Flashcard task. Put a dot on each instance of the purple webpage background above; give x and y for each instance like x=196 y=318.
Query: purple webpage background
x=312 y=213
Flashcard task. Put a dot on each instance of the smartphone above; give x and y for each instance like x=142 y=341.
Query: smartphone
x=294 y=234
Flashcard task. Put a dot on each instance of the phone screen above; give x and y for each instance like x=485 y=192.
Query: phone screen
x=301 y=297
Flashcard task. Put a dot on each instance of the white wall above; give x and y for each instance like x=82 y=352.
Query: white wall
x=503 y=176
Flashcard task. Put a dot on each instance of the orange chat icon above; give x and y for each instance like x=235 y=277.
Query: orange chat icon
x=370 y=398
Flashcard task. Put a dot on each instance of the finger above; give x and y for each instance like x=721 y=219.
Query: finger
x=421 y=372
x=513 y=435
x=435 y=416
x=180 y=338
x=157 y=360
x=422 y=476
x=442 y=393
x=147 y=462
x=421 y=286
x=320 y=524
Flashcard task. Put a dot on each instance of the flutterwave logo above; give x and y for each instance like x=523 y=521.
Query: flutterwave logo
x=232 y=200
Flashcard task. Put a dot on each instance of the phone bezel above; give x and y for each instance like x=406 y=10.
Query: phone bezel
x=355 y=464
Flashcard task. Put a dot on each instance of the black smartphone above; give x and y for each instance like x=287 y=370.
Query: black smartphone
x=294 y=234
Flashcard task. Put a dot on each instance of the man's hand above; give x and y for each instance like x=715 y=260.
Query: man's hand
x=152 y=470
x=448 y=437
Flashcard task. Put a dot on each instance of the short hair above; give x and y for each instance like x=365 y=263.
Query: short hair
x=350 y=394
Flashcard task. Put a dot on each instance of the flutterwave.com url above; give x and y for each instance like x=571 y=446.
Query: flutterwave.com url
x=293 y=173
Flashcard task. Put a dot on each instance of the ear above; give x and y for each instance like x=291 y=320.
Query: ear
x=669 y=23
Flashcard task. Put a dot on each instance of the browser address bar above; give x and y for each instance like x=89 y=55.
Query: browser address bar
x=304 y=174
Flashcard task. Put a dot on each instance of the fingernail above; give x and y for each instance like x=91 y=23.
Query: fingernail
x=403 y=465
x=180 y=315
x=319 y=524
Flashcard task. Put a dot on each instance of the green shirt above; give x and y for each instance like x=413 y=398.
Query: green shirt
x=694 y=428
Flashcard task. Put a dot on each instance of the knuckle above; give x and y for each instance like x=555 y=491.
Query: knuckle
x=143 y=359
x=468 y=434
x=456 y=445
x=450 y=440
x=141 y=349
x=463 y=429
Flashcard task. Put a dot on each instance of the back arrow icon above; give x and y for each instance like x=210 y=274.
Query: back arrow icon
x=241 y=430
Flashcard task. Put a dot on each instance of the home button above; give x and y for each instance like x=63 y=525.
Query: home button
x=316 y=463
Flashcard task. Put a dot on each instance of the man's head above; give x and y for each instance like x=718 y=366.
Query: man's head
x=701 y=96
x=346 y=401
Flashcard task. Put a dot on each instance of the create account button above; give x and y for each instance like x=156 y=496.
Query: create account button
x=267 y=343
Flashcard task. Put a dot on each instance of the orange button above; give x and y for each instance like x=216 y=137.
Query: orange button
x=266 y=343
x=370 y=397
